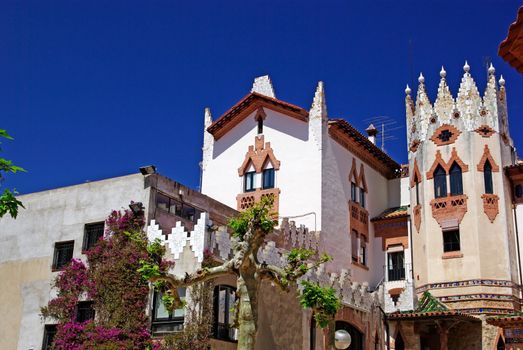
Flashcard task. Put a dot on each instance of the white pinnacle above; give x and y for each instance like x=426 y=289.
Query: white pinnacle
x=442 y=72
x=501 y=81
x=421 y=78
x=491 y=69
x=407 y=90
x=466 y=67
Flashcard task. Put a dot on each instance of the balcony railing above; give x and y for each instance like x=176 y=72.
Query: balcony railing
x=449 y=208
x=359 y=218
x=396 y=273
x=247 y=199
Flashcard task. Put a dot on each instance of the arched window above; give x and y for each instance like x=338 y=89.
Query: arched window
x=224 y=298
x=440 y=182
x=268 y=176
x=487 y=177
x=456 y=180
x=400 y=344
x=357 y=337
x=501 y=344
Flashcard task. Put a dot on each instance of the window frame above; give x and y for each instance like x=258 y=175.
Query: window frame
x=86 y=309
x=449 y=246
x=177 y=321
x=180 y=208
x=487 y=178
x=363 y=198
x=88 y=243
x=353 y=192
x=252 y=176
x=49 y=334
x=456 y=179
x=223 y=331
x=440 y=182
x=272 y=178
x=354 y=246
x=59 y=247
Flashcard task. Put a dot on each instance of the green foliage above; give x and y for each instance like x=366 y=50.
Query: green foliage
x=297 y=255
x=322 y=300
x=8 y=203
x=148 y=270
x=258 y=215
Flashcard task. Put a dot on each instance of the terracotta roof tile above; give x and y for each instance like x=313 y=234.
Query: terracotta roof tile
x=393 y=213
x=511 y=49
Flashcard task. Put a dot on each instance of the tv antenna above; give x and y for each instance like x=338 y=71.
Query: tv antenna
x=388 y=128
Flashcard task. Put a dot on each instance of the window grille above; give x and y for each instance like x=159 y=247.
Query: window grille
x=63 y=253
x=92 y=233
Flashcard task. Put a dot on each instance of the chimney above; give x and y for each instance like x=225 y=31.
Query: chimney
x=372 y=132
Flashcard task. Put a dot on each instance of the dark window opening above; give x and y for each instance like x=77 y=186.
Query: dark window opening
x=440 y=182
x=456 y=180
x=63 y=254
x=354 y=245
x=224 y=299
x=268 y=178
x=451 y=241
x=260 y=126
x=445 y=135
x=487 y=177
x=177 y=208
x=92 y=233
x=501 y=344
x=248 y=182
x=363 y=251
x=396 y=266
x=49 y=333
x=353 y=192
x=163 y=321
x=519 y=191
x=362 y=197
x=312 y=339
x=400 y=344
x=84 y=311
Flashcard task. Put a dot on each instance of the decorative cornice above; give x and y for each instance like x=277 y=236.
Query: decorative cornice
x=445 y=131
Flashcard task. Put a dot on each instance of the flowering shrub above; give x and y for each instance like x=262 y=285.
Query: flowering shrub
x=115 y=283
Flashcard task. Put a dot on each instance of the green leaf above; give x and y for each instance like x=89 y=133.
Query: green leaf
x=4 y=134
x=9 y=204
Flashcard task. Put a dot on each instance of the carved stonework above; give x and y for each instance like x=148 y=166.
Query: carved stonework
x=449 y=208
x=417 y=216
x=485 y=131
x=257 y=155
x=358 y=218
x=490 y=205
x=247 y=199
x=445 y=135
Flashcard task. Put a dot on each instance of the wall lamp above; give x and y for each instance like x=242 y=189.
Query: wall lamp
x=136 y=208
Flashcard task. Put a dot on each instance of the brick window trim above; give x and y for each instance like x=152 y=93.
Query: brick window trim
x=358 y=178
x=446 y=165
x=485 y=131
x=487 y=155
x=452 y=255
x=416 y=175
x=258 y=155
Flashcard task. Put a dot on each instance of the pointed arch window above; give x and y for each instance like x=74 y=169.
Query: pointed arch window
x=268 y=176
x=440 y=182
x=456 y=180
x=487 y=177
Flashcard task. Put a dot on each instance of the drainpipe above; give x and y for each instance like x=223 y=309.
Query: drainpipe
x=411 y=253
x=519 y=252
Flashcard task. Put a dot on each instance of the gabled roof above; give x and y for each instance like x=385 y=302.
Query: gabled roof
x=346 y=135
x=249 y=104
x=511 y=49
x=428 y=303
x=393 y=213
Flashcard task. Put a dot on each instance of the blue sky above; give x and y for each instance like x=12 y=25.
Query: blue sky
x=95 y=89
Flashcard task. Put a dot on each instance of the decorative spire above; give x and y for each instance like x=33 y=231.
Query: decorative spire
x=263 y=85
x=318 y=116
x=407 y=90
x=207 y=118
x=444 y=104
x=466 y=67
x=501 y=80
x=421 y=78
x=490 y=99
x=491 y=69
x=468 y=101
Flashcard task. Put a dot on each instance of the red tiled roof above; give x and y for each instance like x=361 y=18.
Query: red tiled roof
x=393 y=213
x=247 y=105
x=511 y=49
x=506 y=320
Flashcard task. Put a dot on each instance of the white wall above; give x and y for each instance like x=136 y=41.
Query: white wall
x=27 y=246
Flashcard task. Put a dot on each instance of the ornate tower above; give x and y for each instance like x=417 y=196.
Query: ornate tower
x=463 y=239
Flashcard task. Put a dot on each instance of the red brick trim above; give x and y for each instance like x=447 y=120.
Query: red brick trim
x=452 y=255
x=490 y=205
x=353 y=174
x=362 y=181
x=485 y=131
x=258 y=155
x=451 y=207
x=414 y=146
x=446 y=166
x=452 y=129
x=417 y=216
x=416 y=175
x=260 y=113
x=487 y=155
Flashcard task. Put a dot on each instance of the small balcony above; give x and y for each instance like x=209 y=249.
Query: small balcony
x=247 y=199
x=359 y=218
x=449 y=208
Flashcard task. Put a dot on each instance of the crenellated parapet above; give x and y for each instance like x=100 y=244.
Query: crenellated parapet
x=468 y=110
